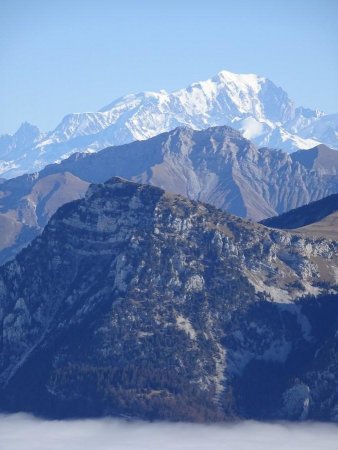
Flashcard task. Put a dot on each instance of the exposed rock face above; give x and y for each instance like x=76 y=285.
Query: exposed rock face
x=136 y=301
x=216 y=165
x=250 y=103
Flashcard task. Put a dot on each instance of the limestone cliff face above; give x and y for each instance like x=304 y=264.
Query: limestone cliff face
x=138 y=302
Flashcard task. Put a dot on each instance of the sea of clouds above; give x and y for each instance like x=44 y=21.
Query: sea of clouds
x=24 y=432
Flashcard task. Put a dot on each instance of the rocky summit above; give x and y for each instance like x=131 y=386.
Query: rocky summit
x=140 y=303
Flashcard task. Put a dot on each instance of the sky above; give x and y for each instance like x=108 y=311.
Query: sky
x=20 y=431
x=58 y=57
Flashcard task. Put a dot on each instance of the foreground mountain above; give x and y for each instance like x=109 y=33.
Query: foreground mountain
x=319 y=218
x=138 y=302
x=250 y=103
x=216 y=165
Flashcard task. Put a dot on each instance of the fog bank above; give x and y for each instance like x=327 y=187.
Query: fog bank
x=24 y=432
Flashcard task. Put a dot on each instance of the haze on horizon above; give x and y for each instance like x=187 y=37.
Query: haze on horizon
x=62 y=57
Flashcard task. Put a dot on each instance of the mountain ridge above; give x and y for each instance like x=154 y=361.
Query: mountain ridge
x=249 y=103
x=216 y=165
x=318 y=218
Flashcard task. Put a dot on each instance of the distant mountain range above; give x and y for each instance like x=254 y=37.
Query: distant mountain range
x=142 y=303
x=249 y=103
x=318 y=219
x=216 y=165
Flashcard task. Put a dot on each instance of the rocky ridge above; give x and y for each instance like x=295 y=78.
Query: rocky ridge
x=216 y=165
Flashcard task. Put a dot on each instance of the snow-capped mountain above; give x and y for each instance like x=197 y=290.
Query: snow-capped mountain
x=250 y=103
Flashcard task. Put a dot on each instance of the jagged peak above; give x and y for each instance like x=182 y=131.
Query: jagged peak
x=27 y=127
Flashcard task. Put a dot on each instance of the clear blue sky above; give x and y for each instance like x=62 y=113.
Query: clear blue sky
x=69 y=56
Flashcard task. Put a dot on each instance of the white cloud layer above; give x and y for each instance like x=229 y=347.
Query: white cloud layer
x=24 y=432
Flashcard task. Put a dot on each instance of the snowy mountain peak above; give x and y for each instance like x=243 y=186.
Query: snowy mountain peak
x=241 y=80
x=252 y=104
